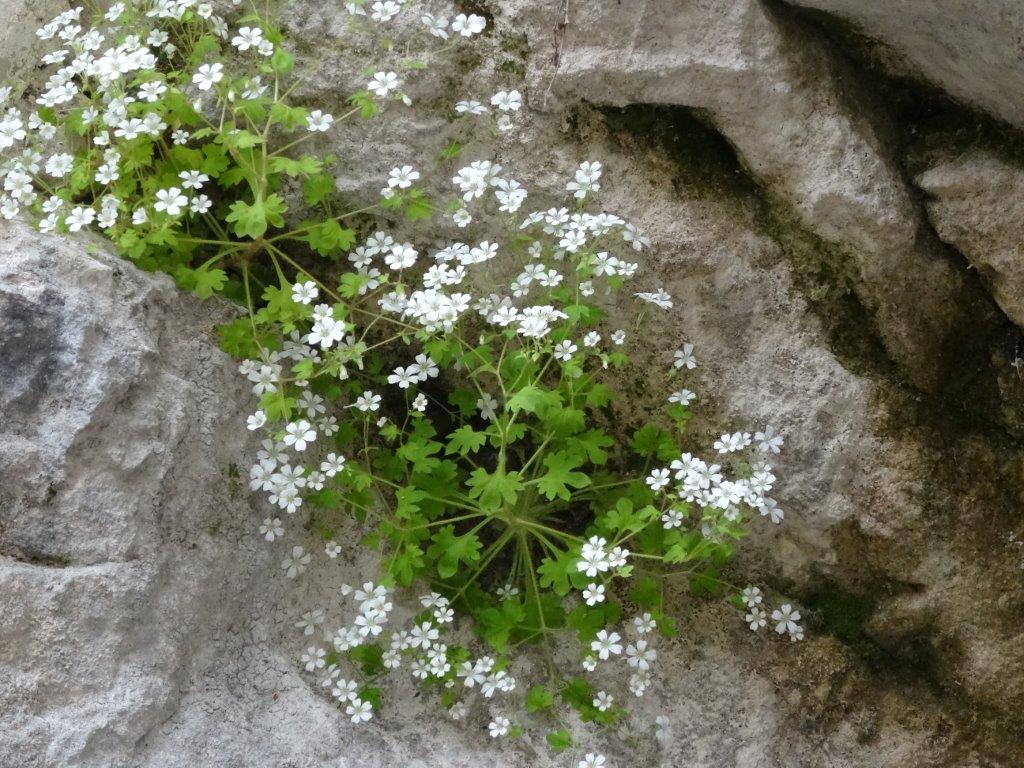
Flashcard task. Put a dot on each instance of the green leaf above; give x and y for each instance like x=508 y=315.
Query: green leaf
x=365 y=102
x=465 y=440
x=496 y=624
x=318 y=188
x=281 y=61
x=493 y=489
x=556 y=574
x=649 y=440
x=407 y=502
x=252 y=220
x=407 y=564
x=420 y=453
x=592 y=443
x=539 y=698
x=304 y=166
x=449 y=550
x=369 y=657
x=289 y=117
x=560 y=475
x=646 y=593
x=330 y=238
x=533 y=399
x=559 y=741
x=208 y=282
x=215 y=160
x=417 y=206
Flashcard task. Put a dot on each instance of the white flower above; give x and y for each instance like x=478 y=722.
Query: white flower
x=751 y=596
x=170 y=200
x=594 y=594
x=271 y=528
x=633 y=235
x=208 y=75
x=756 y=618
x=470 y=106
x=606 y=644
x=79 y=217
x=383 y=83
x=768 y=441
x=332 y=464
x=332 y=549
x=59 y=166
x=672 y=518
x=313 y=658
x=586 y=180
x=770 y=509
x=247 y=38
x=659 y=298
x=684 y=357
x=402 y=177
x=256 y=421
x=639 y=655
x=318 y=121
x=200 y=204
x=786 y=619
x=309 y=621
x=564 y=350
x=296 y=562
x=486 y=405
x=683 y=397
x=403 y=377
x=591 y=339
x=358 y=710
x=384 y=10
x=592 y=760
x=603 y=701
x=467 y=26
x=658 y=479
x=368 y=401
x=507 y=101
x=436 y=25
x=299 y=434
x=193 y=179
x=498 y=727
x=304 y=293
x=644 y=624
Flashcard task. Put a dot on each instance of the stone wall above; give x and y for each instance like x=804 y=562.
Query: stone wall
x=847 y=270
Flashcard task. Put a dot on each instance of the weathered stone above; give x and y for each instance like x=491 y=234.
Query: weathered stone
x=798 y=122
x=146 y=625
x=972 y=49
x=977 y=205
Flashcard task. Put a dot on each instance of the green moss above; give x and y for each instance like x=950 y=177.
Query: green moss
x=843 y=614
x=512 y=68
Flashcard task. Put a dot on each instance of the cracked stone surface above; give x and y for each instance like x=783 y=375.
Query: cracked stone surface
x=971 y=49
x=975 y=202
x=146 y=625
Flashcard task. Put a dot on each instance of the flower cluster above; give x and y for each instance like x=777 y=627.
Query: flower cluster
x=455 y=416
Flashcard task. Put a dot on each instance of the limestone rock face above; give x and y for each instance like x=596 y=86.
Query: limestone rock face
x=800 y=124
x=145 y=624
x=972 y=50
x=975 y=204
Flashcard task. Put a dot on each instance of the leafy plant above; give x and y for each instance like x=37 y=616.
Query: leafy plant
x=467 y=431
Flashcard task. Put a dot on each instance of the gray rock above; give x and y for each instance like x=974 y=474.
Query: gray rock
x=972 y=49
x=146 y=625
x=975 y=203
x=801 y=126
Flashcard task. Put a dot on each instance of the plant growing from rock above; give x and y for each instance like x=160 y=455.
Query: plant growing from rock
x=459 y=414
